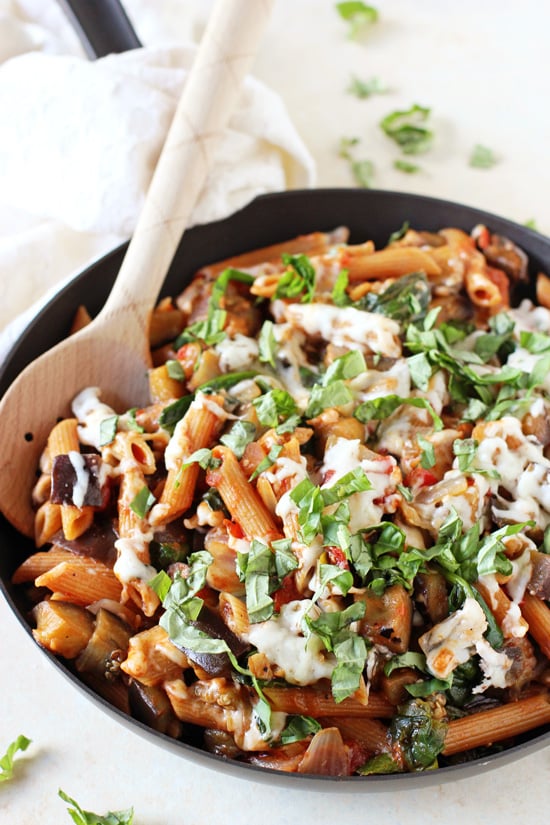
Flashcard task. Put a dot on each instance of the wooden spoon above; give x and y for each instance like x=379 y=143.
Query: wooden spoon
x=112 y=352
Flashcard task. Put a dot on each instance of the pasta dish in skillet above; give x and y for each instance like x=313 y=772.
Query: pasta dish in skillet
x=323 y=547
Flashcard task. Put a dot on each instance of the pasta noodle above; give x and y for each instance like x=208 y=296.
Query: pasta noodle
x=330 y=529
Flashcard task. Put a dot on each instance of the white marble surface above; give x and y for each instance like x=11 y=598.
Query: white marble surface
x=483 y=68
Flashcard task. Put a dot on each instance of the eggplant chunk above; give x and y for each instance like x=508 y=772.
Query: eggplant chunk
x=388 y=618
x=63 y=628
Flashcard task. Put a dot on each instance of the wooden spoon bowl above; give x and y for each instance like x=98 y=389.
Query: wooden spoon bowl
x=112 y=352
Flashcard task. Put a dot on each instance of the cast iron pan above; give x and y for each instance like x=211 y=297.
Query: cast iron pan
x=269 y=219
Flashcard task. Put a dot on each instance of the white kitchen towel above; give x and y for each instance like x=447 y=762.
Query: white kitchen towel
x=79 y=141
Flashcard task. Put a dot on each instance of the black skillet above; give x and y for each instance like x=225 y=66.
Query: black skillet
x=269 y=219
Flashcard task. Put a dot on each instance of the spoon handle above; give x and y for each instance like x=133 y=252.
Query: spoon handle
x=209 y=97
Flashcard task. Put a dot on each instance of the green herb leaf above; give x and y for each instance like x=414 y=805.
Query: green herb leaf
x=142 y=502
x=358 y=14
x=202 y=457
x=81 y=817
x=406 y=128
x=381 y=408
x=363 y=172
x=428 y=453
x=267 y=344
x=131 y=421
x=420 y=735
x=273 y=405
x=239 y=436
x=299 y=728
x=382 y=763
x=355 y=481
x=482 y=157
x=340 y=297
x=268 y=461
x=298 y=280
x=366 y=88
x=406 y=300
x=406 y=166
x=262 y=569
x=337 y=394
x=107 y=430
x=345 y=367
x=307 y=497
x=175 y=369
x=399 y=233
x=171 y=414
x=224 y=382
x=7 y=761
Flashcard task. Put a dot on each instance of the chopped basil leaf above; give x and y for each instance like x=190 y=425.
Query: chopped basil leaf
x=107 y=430
x=482 y=157
x=420 y=370
x=131 y=422
x=202 y=457
x=81 y=817
x=175 y=370
x=273 y=405
x=418 y=733
x=406 y=128
x=223 y=382
x=355 y=481
x=142 y=502
x=358 y=14
x=171 y=414
x=298 y=280
x=381 y=408
x=289 y=425
x=210 y=330
x=161 y=584
x=298 y=728
x=366 y=88
x=345 y=367
x=363 y=172
x=406 y=166
x=268 y=461
x=7 y=761
x=382 y=763
x=337 y=394
x=406 y=300
x=239 y=436
x=408 y=659
x=535 y=342
x=399 y=233
x=255 y=568
x=349 y=648
x=340 y=297
x=405 y=492
x=267 y=344
x=307 y=497
x=346 y=144
x=222 y=282
x=465 y=451
x=428 y=453
x=262 y=569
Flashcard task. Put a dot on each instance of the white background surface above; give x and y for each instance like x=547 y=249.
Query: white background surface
x=483 y=68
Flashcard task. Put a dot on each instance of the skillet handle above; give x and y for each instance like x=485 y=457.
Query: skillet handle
x=102 y=26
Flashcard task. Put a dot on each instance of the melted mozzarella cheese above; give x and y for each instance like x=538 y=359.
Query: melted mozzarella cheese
x=523 y=471
x=90 y=412
x=494 y=666
x=128 y=565
x=237 y=353
x=80 y=486
x=347 y=326
x=451 y=642
x=302 y=658
x=368 y=507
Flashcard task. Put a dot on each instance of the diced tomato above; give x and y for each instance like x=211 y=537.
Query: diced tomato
x=419 y=477
x=287 y=592
x=234 y=529
x=338 y=557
